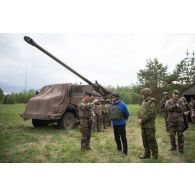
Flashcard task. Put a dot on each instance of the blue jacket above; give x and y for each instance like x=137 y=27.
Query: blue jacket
x=123 y=108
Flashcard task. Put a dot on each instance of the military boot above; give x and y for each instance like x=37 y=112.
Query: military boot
x=181 y=151
x=88 y=148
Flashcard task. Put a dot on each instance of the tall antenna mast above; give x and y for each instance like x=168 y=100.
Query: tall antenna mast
x=25 y=79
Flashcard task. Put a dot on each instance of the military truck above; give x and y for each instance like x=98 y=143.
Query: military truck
x=59 y=102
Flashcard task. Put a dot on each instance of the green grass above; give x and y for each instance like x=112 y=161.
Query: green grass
x=21 y=142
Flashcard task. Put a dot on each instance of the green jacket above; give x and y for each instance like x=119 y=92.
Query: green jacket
x=147 y=113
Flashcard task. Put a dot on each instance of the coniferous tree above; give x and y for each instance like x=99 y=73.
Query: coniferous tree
x=154 y=76
x=185 y=70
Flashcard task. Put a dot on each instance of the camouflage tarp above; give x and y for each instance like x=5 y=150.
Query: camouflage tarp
x=50 y=103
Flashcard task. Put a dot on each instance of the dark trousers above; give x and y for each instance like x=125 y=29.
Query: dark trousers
x=120 y=138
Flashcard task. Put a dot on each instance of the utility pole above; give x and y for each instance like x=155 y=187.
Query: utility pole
x=26 y=79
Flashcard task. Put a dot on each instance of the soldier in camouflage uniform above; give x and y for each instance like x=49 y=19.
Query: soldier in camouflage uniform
x=147 y=115
x=93 y=120
x=191 y=106
x=108 y=105
x=186 y=112
x=175 y=110
x=85 y=116
x=104 y=114
x=162 y=107
x=97 y=112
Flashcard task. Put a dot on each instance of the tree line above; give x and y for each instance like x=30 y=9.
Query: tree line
x=13 y=98
x=155 y=75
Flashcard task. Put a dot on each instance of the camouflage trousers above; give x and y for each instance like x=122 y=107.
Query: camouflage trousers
x=177 y=129
x=193 y=116
x=97 y=123
x=149 y=141
x=108 y=120
x=85 y=128
x=104 y=121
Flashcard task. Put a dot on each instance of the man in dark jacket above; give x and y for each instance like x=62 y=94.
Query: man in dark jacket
x=147 y=115
x=119 y=114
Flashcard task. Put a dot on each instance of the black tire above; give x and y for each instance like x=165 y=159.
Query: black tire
x=39 y=123
x=67 y=121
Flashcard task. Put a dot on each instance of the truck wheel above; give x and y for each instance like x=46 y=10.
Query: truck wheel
x=67 y=121
x=39 y=123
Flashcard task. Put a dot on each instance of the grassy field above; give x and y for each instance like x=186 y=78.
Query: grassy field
x=21 y=142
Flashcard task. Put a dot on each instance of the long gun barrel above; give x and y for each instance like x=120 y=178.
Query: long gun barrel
x=97 y=87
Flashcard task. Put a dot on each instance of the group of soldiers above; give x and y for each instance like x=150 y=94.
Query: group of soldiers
x=100 y=118
x=94 y=115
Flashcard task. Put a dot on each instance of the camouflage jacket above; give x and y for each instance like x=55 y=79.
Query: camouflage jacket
x=108 y=106
x=162 y=103
x=175 y=109
x=191 y=105
x=104 y=109
x=85 y=110
x=97 y=109
x=147 y=113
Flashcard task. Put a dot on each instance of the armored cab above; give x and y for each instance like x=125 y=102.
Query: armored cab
x=59 y=102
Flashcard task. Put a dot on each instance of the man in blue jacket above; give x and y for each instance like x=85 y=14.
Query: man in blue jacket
x=119 y=114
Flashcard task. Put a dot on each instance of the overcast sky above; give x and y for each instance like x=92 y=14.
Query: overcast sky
x=112 y=59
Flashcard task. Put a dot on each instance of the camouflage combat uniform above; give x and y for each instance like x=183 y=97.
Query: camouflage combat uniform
x=186 y=112
x=108 y=105
x=191 y=106
x=162 y=107
x=147 y=114
x=104 y=114
x=97 y=112
x=93 y=121
x=85 y=115
x=175 y=111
